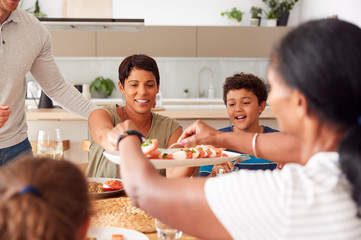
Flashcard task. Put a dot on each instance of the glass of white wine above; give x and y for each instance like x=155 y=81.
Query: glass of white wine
x=50 y=144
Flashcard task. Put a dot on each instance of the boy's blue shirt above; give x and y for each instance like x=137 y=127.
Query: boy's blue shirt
x=252 y=163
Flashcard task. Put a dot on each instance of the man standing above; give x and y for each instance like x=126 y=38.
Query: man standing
x=25 y=45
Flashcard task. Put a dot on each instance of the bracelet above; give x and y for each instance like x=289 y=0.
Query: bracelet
x=254 y=144
x=130 y=132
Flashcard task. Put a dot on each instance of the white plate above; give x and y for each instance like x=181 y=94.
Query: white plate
x=105 y=233
x=107 y=193
x=166 y=163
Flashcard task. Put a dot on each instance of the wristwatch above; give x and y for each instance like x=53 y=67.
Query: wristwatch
x=130 y=132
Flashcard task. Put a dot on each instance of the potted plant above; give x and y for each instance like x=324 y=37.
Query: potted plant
x=284 y=11
x=101 y=87
x=186 y=93
x=256 y=19
x=234 y=14
x=271 y=18
x=35 y=10
x=281 y=9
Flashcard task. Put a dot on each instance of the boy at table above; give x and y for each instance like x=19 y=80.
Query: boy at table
x=245 y=97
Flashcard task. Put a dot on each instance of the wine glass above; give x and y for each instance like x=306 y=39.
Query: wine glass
x=50 y=144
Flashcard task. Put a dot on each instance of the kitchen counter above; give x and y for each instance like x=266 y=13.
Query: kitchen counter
x=191 y=112
x=75 y=128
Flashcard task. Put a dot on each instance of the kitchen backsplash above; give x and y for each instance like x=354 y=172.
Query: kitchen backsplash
x=176 y=74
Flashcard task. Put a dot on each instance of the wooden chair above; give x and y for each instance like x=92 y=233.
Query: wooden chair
x=86 y=145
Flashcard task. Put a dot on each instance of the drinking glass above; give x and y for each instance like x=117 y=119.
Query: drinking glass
x=221 y=169
x=50 y=144
x=166 y=232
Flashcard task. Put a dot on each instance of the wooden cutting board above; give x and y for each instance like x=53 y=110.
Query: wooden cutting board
x=87 y=9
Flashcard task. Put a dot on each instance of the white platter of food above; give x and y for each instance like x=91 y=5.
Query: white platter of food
x=180 y=159
x=100 y=233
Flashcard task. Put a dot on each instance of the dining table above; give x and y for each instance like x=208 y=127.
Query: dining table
x=117 y=210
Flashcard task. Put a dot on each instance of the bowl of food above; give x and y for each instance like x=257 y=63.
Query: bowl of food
x=104 y=187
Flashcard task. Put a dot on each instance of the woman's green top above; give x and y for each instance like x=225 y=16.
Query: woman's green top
x=162 y=128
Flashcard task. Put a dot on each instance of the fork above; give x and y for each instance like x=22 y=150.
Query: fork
x=175 y=144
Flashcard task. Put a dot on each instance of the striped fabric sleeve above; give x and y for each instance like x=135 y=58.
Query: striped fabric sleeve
x=247 y=204
x=298 y=202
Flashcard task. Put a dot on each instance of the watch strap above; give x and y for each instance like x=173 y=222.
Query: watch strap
x=130 y=132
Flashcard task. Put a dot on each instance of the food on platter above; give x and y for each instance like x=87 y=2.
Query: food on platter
x=149 y=146
x=95 y=187
x=199 y=151
x=178 y=157
x=117 y=237
x=116 y=233
x=168 y=160
x=150 y=149
x=114 y=237
x=110 y=185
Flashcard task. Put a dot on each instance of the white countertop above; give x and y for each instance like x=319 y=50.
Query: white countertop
x=166 y=101
x=179 y=113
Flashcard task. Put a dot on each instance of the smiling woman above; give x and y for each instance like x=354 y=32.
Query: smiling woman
x=139 y=82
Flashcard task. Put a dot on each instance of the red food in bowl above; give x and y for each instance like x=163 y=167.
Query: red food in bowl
x=112 y=185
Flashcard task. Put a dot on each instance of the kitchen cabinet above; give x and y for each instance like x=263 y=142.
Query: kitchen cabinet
x=87 y=8
x=174 y=41
x=154 y=41
x=250 y=42
x=74 y=43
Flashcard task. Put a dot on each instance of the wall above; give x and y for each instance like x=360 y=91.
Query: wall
x=207 y=13
x=176 y=74
x=348 y=10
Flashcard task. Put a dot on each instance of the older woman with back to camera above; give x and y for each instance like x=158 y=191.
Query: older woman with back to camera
x=315 y=79
x=43 y=199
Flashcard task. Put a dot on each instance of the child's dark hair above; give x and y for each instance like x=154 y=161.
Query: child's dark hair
x=139 y=61
x=246 y=81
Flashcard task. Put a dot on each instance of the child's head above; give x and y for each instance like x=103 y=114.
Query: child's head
x=247 y=81
x=43 y=199
x=245 y=96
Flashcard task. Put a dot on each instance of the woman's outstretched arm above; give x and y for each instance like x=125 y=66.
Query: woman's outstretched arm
x=277 y=147
x=179 y=202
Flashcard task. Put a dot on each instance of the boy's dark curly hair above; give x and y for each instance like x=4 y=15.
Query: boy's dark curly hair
x=247 y=81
